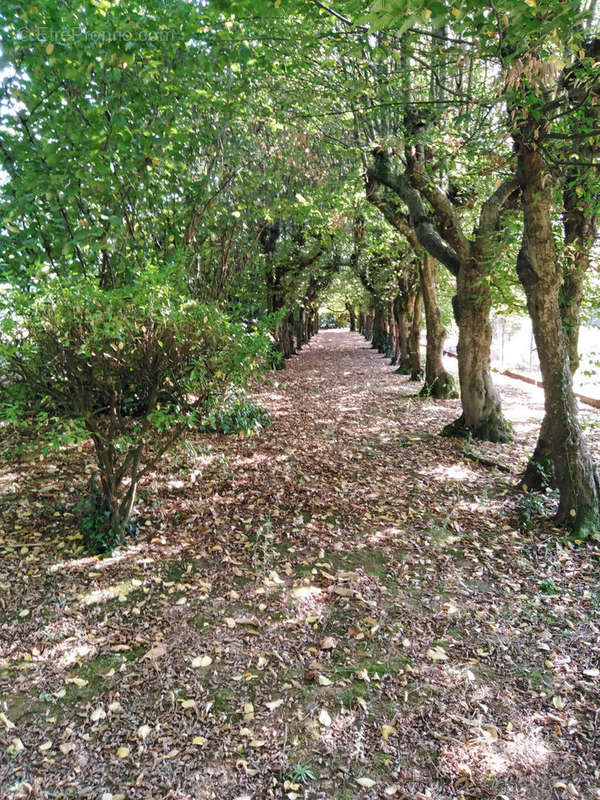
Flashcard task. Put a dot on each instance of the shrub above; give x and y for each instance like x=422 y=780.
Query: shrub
x=131 y=368
x=235 y=413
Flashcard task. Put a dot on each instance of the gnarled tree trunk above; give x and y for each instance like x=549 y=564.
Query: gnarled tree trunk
x=482 y=415
x=540 y=274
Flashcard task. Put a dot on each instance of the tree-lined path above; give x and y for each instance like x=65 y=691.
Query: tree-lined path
x=347 y=606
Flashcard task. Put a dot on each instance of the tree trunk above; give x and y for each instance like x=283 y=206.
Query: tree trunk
x=580 y=231
x=540 y=274
x=379 y=337
x=404 y=310
x=369 y=326
x=352 y=315
x=300 y=326
x=438 y=382
x=393 y=339
x=415 y=340
x=482 y=416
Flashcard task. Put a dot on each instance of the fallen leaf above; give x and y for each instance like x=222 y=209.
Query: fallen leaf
x=201 y=661
x=45 y=746
x=158 y=651
x=6 y=722
x=123 y=752
x=98 y=714
x=77 y=681
x=387 y=731
x=274 y=704
x=324 y=718
x=437 y=654
x=143 y=731
x=366 y=782
x=16 y=746
x=328 y=643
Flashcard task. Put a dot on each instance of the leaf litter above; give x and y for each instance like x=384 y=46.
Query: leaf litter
x=343 y=607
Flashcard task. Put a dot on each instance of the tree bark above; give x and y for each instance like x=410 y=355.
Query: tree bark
x=482 y=415
x=352 y=315
x=540 y=274
x=416 y=373
x=467 y=259
x=438 y=382
x=379 y=337
x=393 y=338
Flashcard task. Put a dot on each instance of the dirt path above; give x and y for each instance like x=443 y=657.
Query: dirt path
x=344 y=607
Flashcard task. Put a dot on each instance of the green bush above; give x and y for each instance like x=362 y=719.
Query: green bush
x=131 y=368
x=236 y=413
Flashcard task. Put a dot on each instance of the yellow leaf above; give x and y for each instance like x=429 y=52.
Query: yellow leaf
x=16 y=746
x=6 y=722
x=277 y=3
x=188 y=704
x=46 y=746
x=530 y=3
x=49 y=48
x=199 y=740
x=248 y=712
x=258 y=743
x=201 y=661
x=323 y=681
x=97 y=714
x=456 y=12
x=437 y=654
x=387 y=730
x=123 y=752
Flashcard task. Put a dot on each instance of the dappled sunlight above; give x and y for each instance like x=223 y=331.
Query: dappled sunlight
x=491 y=752
x=118 y=590
x=455 y=472
x=308 y=600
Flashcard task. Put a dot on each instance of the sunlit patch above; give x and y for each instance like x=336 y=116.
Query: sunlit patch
x=457 y=472
x=493 y=753
x=309 y=600
x=107 y=593
x=127 y=553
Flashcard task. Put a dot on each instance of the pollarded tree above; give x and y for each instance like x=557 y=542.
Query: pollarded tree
x=547 y=59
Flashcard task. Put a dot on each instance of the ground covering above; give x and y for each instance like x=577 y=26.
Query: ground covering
x=346 y=606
